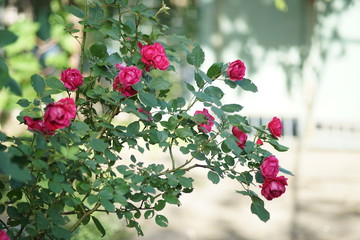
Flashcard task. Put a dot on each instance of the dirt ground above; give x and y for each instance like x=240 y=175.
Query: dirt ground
x=321 y=203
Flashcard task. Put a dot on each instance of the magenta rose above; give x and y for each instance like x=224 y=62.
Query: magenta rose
x=37 y=125
x=3 y=235
x=236 y=70
x=161 y=62
x=146 y=113
x=259 y=142
x=58 y=115
x=205 y=127
x=275 y=127
x=270 y=167
x=241 y=136
x=127 y=77
x=153 y=55
x=72 y=79
x=273 y=188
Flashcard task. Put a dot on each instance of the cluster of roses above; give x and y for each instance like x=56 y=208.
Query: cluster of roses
x=152 y=55
x=58 y=115
x=273 y=185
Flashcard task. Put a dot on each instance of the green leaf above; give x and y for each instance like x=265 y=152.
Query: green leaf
x=60 y=233
x=54 y=83
x=99 y=50
x=205 y=77
x=59 y=19
x=214 y=92
x=160 y=205
x=80 y=128
x=23 y=102
x=75 y=11
x=160 y=84
x=277 y=146
x=133 y=128
x=230 y=83
x=283 y=170
x=161 y=220
x=247 y=85
x=213 y=177
x=183 y=132
x=214 y=71
x=170 y=198
x=7 y=37
x=99 y=226
x=109 y=206
x=14 y=87
x=38 y=83
x=186 y=182
x=4 y=73
x=257 y=208
x=149 y=214
x=148 y=99
x=218 y=112
x=198 y=79
x=12 y=169
x=196 y=57
x=98 y=145
x=231 y=107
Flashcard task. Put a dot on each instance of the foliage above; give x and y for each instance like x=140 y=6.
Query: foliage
x=55 y=181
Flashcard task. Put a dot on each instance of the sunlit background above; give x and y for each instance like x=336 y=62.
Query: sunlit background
x=304 y=57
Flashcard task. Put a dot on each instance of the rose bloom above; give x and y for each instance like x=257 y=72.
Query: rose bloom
x=153 y=55
x=205 y=127
x=273 y=188
x=72 y=79
x=241 y=136
x=146 y=113
x=127 y=77
x=270 y=167
x=275 y=127
x=4 y=236
x=161 y=62
x=59 y=114
x=236 y=70
x=37 y=125
x=259 y=142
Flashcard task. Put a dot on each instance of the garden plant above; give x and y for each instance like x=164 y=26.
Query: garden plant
x=87 y=122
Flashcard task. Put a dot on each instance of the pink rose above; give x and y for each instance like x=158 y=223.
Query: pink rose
x=127 y=77
x=236 y=70
x=37 y=125
x=4 y=236
x=154 y=56
x=205 y=127
x=241 y=136
x=259 y=142
x=145 y=112
x=270 y=167
x=273 y=188
x=275 y=127
x=72 y=79
x=161 y=62
x=59 y=114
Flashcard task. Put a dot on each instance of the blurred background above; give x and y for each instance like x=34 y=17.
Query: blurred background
x=304 y=57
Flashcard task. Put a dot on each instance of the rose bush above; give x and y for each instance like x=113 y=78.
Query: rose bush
x=86 y=151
